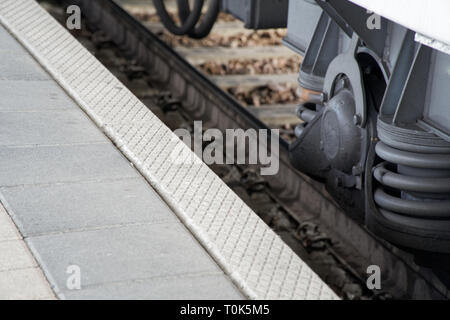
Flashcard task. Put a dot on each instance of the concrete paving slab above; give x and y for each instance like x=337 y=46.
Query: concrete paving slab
x=66 y=207
x=33 y=165
x=122 y=254
x=47 y=128
x=20 y=67
x=20 y=276
x=33 y=95
x=24 y=284
x=9 y=44
x=15 y=255
x=8 y=230
x=186 y=287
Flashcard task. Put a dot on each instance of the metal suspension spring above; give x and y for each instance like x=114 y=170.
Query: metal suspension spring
x=415 y=187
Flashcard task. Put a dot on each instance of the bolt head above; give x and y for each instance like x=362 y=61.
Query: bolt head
x=357 y=170
x=357 y=120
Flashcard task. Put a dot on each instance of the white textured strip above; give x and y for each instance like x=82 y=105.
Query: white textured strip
x=249 y=252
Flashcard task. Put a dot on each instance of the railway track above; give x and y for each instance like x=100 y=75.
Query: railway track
x=252 y=66
x=296 y=207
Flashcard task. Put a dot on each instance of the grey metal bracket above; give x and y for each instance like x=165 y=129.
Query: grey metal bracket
x=351 y=17
x=324 y=47
x=346 y=64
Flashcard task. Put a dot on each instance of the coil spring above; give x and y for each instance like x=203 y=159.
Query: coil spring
x=415 y=187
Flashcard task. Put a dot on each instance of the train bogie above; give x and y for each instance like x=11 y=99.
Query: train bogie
x=374 y=84
x=393 y=160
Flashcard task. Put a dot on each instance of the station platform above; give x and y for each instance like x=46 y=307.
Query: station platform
x=88 y=177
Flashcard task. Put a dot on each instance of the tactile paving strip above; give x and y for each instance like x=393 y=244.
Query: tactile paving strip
x=257 y=260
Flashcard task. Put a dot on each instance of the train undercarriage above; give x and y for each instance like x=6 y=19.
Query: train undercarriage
x=375 y=118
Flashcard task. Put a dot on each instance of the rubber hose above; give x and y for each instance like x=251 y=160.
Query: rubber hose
x=188 y=24
x=207 y=21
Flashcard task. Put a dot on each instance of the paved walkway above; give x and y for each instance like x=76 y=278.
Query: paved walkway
x=81 y=207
